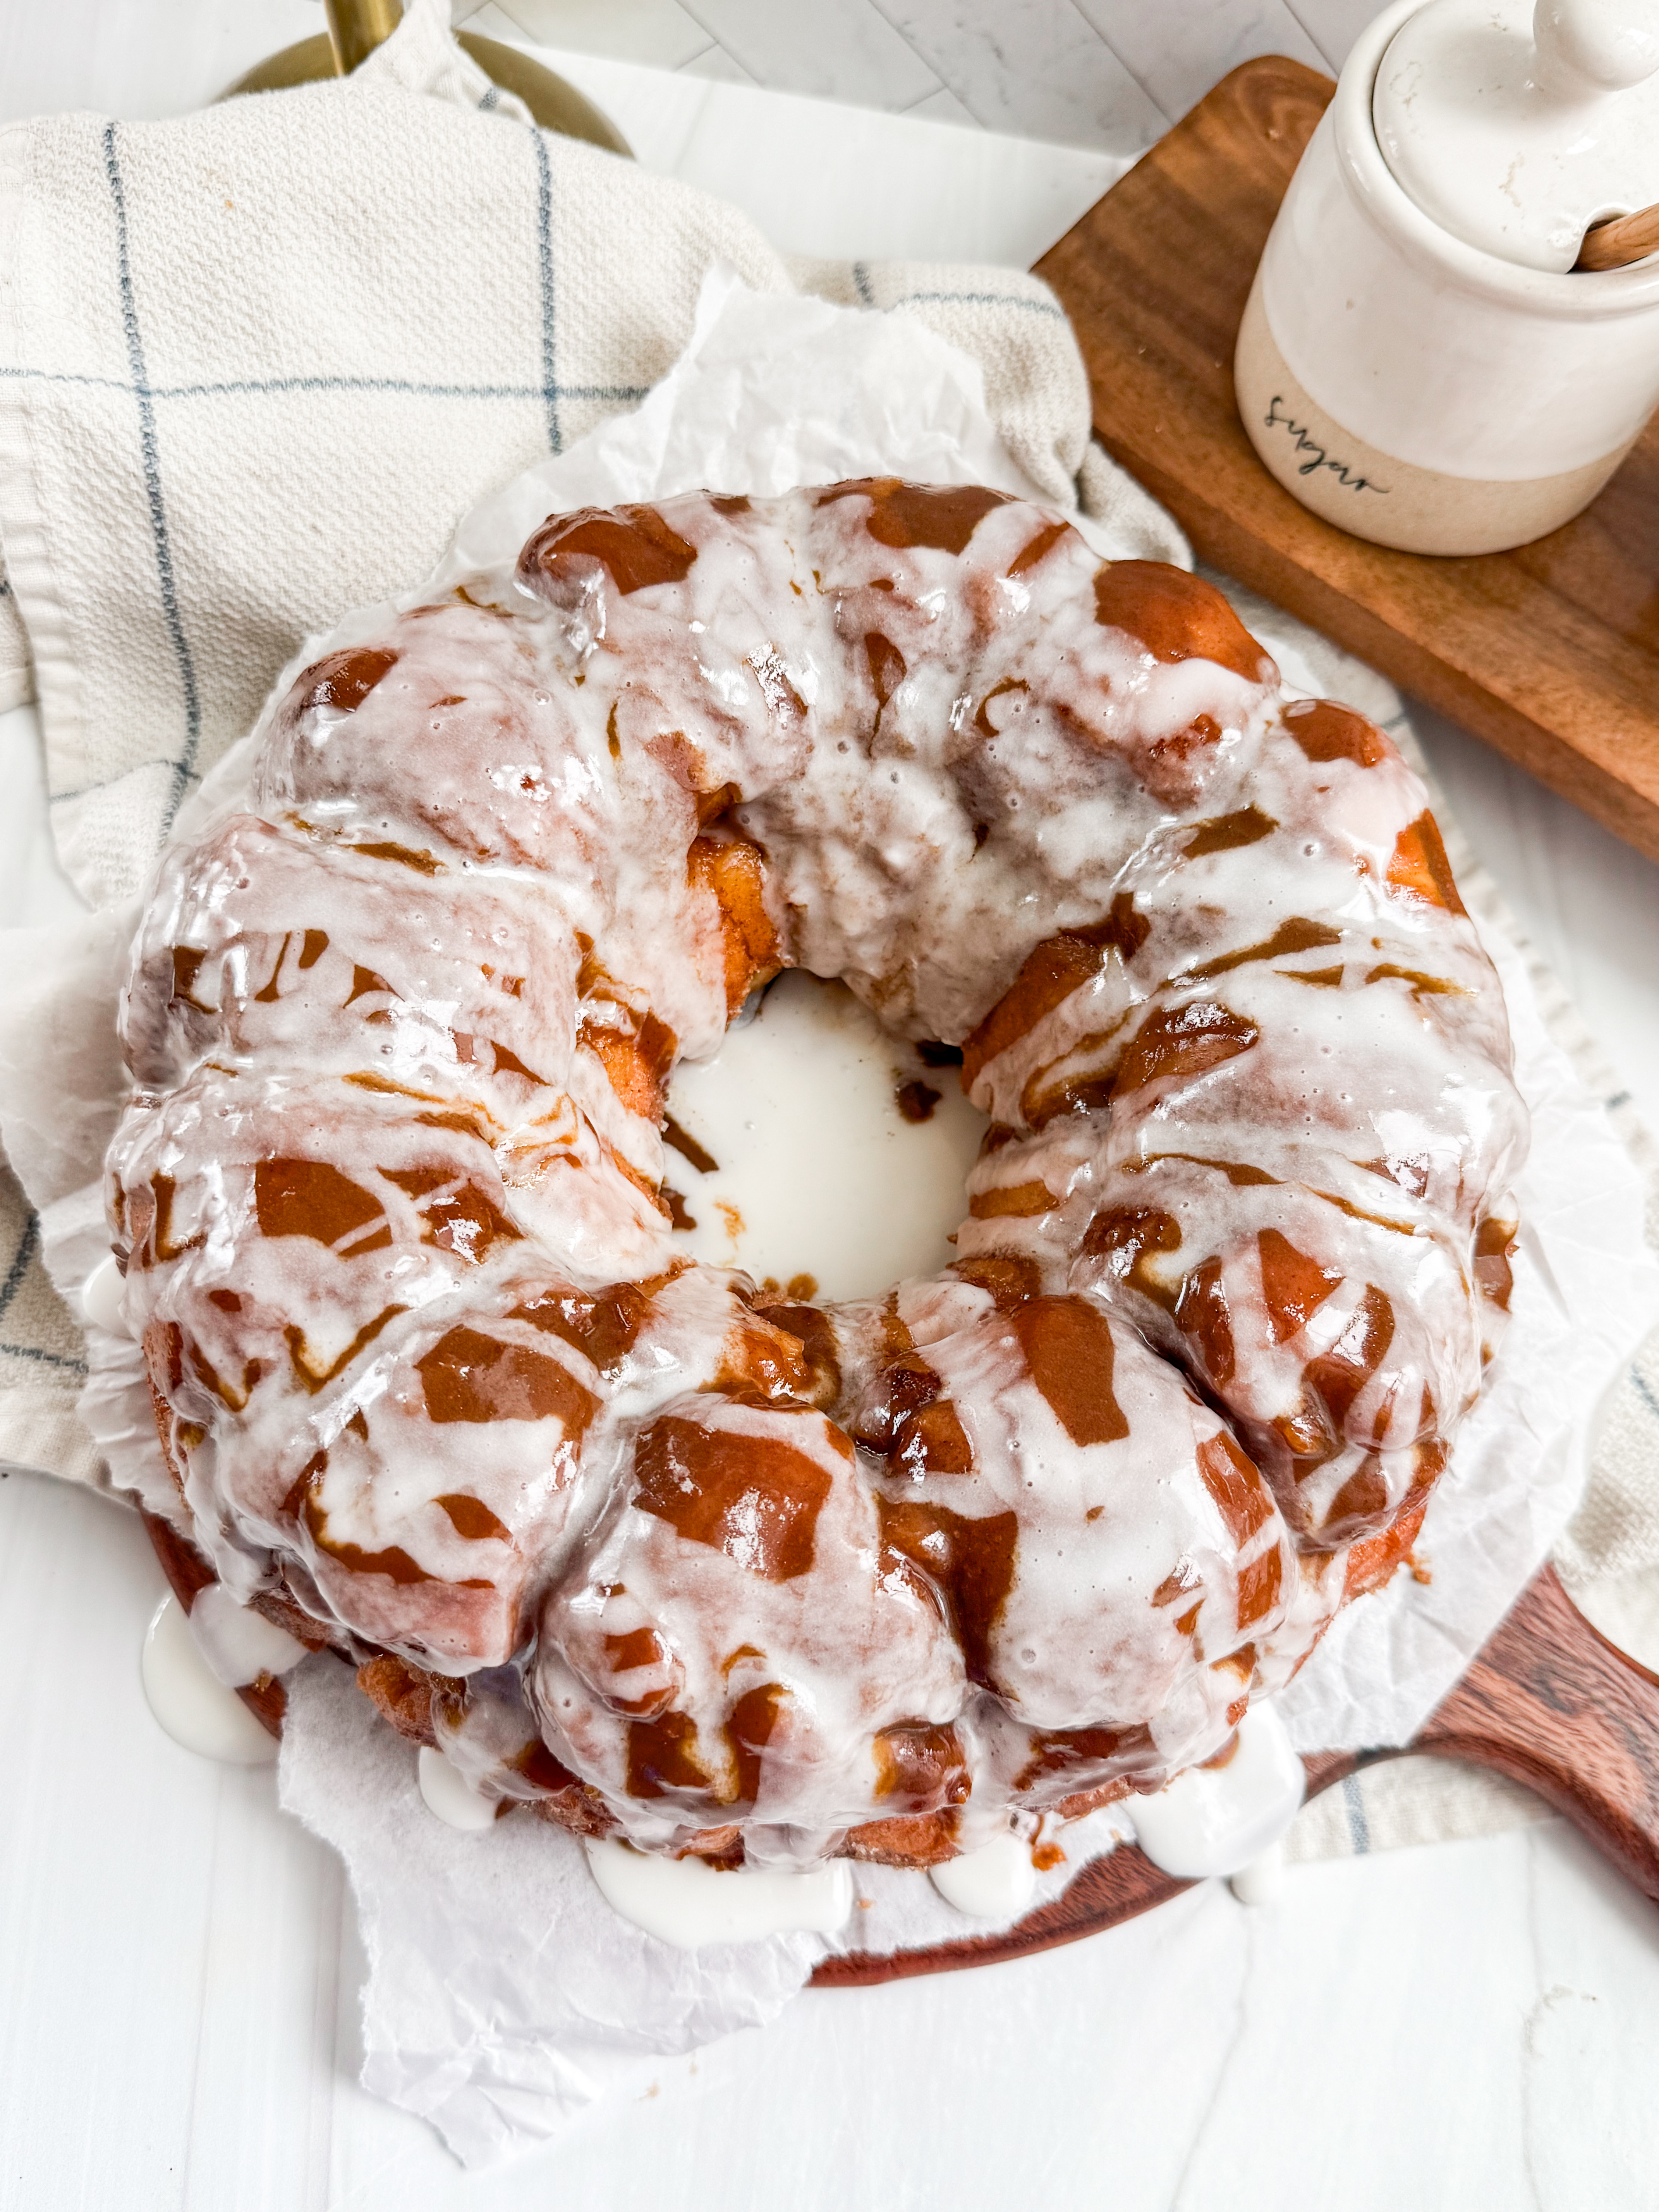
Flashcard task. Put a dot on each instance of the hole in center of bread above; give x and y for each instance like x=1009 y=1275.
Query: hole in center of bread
x=839 y=1151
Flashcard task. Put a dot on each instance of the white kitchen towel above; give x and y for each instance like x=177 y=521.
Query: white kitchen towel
x=16 y=674
x=256 y=363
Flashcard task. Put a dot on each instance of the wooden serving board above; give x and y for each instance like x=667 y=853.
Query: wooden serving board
x=1546 y=1702
x=1550 y=653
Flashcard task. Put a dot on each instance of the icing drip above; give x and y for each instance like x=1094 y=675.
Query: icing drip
x=687 y=1904
x=1261 y=1882
x=1224 y=1817
x=239 y=1645
x=447 y=1793
x=188 y=1701
x=996 y=1882
x=103 y=1298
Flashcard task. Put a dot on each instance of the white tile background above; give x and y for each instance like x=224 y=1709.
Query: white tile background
x=1110 y=73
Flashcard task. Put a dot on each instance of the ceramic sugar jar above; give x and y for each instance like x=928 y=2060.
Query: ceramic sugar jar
x=1420 y=361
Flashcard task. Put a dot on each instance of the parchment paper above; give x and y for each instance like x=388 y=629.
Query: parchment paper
x=503 y=1994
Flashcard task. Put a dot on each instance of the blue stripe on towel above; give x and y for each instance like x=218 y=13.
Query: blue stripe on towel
x=184 y=767
x=43 y=1358
x=85 y=790
x=412 y=385
x=27 y=1244
x=982 y=299
x=544 y=264
x=1359 y=1834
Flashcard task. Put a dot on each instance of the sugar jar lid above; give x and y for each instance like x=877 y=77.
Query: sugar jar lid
x=1516 y=132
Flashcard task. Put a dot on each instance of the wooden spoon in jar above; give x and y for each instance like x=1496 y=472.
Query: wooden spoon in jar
x=1620 y=240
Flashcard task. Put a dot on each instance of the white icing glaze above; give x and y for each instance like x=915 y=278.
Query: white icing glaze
x=190 y=1702
x=103 y=1297
x=996 y=1882
x=687 y=1904
x=449 y=1794
x=1220 y=1819
x=1261 y=1882
x=819 y=1172
x=239 y=1645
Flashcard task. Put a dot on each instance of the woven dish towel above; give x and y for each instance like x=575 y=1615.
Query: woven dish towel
x=229 y=410
x=319 y=383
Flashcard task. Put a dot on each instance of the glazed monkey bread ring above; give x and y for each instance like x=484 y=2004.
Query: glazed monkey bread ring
x=761 y=1580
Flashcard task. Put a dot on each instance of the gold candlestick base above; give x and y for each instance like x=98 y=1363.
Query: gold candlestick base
x=357 y=27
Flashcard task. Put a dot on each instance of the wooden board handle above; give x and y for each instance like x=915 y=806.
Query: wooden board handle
x=1550 y=1704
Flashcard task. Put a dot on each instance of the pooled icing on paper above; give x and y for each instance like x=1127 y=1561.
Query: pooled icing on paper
x=190 y=1702
x=102 y=1298
x=446 y=1792
x=798 y=1575
x=996 y=1882
x=1222 y=1818
x=239 y=1645
x=688 y=1904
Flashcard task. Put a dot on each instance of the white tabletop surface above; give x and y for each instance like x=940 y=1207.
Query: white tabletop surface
x=1465 y=2026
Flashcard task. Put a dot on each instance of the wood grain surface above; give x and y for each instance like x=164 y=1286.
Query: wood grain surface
x=1550 y=653
x=1549 y=1703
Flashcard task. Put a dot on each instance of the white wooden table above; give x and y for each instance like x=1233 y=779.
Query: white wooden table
x=1467 y=2025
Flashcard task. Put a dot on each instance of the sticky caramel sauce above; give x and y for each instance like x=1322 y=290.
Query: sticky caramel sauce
x=1049 y=976
x=603 y=1324
x=470 y=1376
x=311 y=1198
x=1419 y=869
x=916 y=1100
x=971 y=1560
x=1297 y=935
x=637 y=547
x=942 y=517
x=1179 y=1044
x=1338 y=1375
x=921 y=1767
x=1022 y=1201
x=1177 y=616
x=1325 y=731
x=1294 y=1285
x=1228 y=833
x=754 y=1498
x=1070 y=1351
